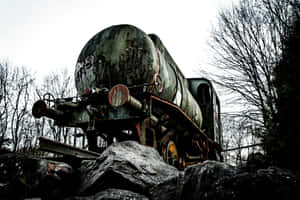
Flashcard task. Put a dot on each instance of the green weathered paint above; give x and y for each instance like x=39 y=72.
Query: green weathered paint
x=124 y=54
x=117 y=55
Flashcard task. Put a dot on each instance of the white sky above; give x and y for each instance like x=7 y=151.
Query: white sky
x=48 y=34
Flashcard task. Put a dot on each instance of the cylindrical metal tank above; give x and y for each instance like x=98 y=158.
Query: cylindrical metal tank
x=124 y=54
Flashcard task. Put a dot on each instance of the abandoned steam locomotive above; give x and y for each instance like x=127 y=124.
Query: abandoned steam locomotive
x=129 y=88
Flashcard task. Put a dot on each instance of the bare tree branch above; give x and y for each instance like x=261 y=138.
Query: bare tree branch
x=247 y=43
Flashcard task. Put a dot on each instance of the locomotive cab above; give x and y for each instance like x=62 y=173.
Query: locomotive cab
x=205 y=95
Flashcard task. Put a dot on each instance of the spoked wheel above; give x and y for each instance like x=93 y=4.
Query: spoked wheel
x=49 y=99
x=170 y=154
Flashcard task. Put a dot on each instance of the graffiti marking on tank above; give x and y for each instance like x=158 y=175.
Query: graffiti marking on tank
x=132 y=63
x=89 y=61
x=86 y=72
x=79 y=74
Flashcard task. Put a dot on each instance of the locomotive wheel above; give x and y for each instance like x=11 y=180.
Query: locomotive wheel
x=170 y=154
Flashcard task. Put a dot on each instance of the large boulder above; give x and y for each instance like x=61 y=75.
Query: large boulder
x=112 y=194
x=129 y=166
x=256 y=161
x=213 y=180
x=199 y=179
x=26 y=177
x=270 y=183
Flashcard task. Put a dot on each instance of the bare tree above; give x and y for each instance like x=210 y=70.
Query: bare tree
x=247 y=44
x=15 y=86
x=238 y=135
x=3 y=102
x=59 y=83
x=19 y=97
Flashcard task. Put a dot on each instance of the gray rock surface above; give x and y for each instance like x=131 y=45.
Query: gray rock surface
x=112 y=194
x=213 y=180
x=130 y=166
x=128 y=170
x=270 y=183
x=24 y=177
x=198 y=179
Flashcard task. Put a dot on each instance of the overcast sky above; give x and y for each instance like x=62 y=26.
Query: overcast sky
x=48 y=34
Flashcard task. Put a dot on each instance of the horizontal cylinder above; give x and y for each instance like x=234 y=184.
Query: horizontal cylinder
x=119 y=96
x=136 y=104
x=40 y=109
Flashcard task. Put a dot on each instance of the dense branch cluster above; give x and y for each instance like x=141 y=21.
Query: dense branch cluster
x=249 y=42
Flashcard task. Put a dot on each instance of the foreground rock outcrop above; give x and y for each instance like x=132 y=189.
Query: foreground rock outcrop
x=23 y=177
x=132 y=167
x=214 y=181
x=128 y=170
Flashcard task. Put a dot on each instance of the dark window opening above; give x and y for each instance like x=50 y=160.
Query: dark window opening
x=204 y=96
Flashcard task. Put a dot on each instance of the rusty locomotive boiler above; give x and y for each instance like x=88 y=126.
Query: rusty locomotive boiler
x=130 y=88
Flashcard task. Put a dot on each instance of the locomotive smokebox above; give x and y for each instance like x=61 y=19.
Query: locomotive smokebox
x=120 y=54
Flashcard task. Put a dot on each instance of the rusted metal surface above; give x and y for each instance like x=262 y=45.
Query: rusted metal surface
x=170 y=154
x=64 y=149
x=118 y=95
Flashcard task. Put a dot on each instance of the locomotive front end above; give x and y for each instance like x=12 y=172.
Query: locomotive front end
x=117 y=55
x=114 y=70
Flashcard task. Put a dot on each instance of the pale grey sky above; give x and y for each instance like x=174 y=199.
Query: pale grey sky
x=48 y=34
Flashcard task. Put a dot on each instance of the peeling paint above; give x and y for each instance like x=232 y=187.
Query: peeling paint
x=126 y=55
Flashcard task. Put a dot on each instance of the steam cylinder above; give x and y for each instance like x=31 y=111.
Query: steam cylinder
x=124 y=54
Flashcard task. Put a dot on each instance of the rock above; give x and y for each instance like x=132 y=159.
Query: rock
x=256 y=161
x=112 y=194
x=212 y=180
x=133 y=167
x=128 y=170
x=270 y=183
x=23 y=177
x=198 y=179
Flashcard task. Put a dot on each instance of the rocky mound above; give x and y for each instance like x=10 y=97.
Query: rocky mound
x=128 y=170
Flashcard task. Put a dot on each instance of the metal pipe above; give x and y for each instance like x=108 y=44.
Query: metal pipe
x=119 y=96
x=40 y=109
x=133 y=102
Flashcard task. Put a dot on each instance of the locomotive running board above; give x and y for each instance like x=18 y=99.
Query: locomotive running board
x=177 y=112
x=66 y=150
